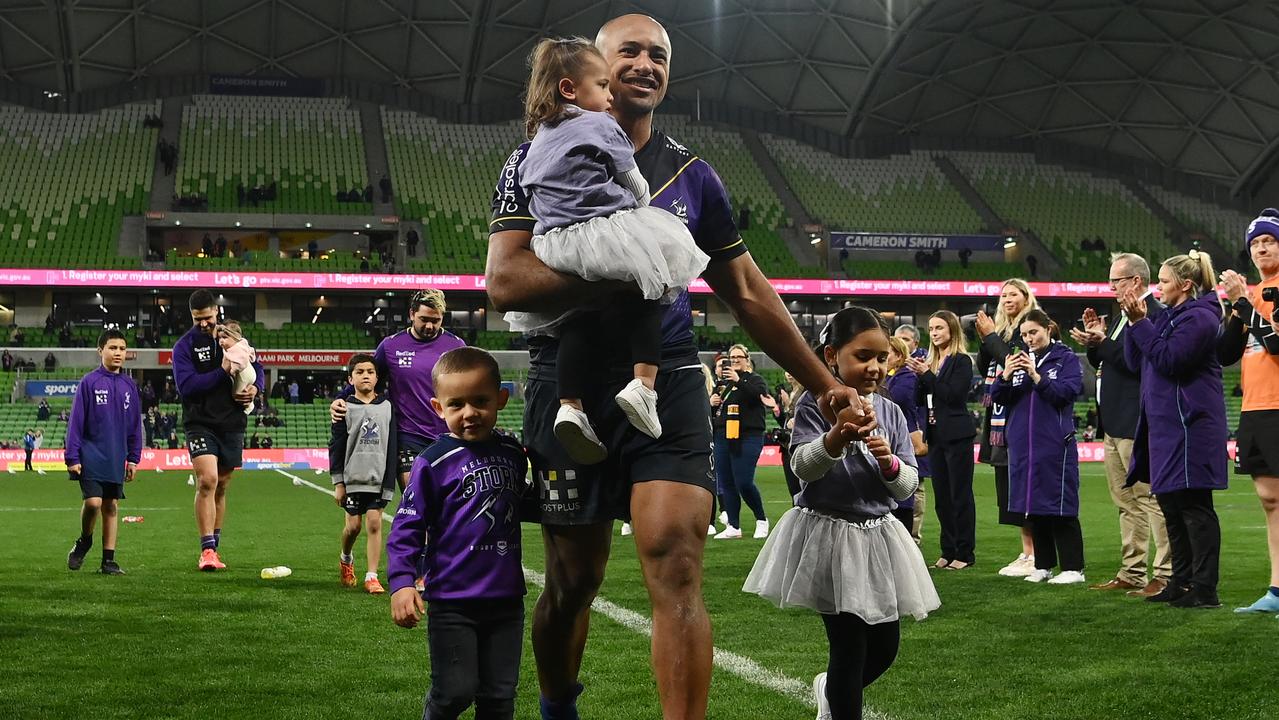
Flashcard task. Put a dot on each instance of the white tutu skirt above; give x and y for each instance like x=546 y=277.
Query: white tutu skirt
x=647 y=246
x=870 y=569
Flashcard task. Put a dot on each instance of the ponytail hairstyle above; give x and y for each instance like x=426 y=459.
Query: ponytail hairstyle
x=1039 y=317
x=954 y=347
x=1006 y=326
x=552 y=60
x=1196 y=267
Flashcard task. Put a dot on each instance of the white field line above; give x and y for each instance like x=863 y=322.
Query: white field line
x=739 y=665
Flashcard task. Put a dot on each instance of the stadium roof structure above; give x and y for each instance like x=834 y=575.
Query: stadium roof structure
x=1187 y=85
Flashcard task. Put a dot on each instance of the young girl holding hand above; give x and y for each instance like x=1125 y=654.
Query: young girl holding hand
x=840 y=551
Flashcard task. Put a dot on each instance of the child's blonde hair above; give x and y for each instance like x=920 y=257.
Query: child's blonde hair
x=553 y=59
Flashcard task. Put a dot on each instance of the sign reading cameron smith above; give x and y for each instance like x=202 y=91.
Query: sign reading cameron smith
x=902 y=241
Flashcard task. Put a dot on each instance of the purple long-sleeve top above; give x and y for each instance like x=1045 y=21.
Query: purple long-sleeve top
x=461 y=507
x=207 y=401
x=1181 y=432
x=404 y=364
x=1043 y=452
x=105 y=428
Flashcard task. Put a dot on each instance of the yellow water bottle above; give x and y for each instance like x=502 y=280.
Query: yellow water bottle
x=732 y=423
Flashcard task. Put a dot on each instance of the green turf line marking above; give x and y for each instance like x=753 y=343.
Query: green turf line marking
x=739 y=665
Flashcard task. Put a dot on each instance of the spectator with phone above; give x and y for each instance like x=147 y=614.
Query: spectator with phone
x=1251 y=337
x=739 y=406
x=998 y=338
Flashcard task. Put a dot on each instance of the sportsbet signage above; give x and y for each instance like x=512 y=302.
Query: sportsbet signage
x=52 y=388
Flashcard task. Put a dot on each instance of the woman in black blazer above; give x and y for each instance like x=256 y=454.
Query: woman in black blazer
x=945 y=379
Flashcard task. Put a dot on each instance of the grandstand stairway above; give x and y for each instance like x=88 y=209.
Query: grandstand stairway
x=162 y=186
x=1222 y=259
x=796 y=241
x=790 y=202
x=375 y=160
x=994 y=223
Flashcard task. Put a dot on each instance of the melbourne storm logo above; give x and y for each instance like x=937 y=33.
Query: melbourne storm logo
x=369 y=432
x=679 y=208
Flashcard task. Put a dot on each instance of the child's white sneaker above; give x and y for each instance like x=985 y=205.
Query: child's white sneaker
x=1039 y=575
x=626 y=529
x=1069 y=577
x=761 y=529
x=573 y=430
x=640 y=405
x=729 y=533
x=1021 y=567
x=823 y=705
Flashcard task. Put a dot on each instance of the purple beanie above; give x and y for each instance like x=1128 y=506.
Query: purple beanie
x=1266 y=224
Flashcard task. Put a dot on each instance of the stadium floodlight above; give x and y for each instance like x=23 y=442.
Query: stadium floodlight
x=817 y=240
x=237 y=223
x=177 y=222
x=308 y=225
x=1010 y=242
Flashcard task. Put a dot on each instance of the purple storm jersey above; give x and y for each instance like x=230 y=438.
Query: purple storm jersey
x=465 y=498
x=105 y=427
x=682 y=184
x=404 y=365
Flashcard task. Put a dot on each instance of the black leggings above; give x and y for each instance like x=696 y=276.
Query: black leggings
x=1057 y=538
x=859 y=654
x=579 y=351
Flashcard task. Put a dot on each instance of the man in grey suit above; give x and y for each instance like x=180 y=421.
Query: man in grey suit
x=1118 y=404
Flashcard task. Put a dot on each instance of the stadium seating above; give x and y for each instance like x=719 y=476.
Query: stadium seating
x=311 y=147
x=1064 y=207
x=901 y=193
x=444 y=176
x=1225 y=226
x=67 y=182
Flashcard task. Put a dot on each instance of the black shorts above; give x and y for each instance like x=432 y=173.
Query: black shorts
x=566 y=493
x=228 y=447
x=106 y=491
x=358 y=503
x=1257 y=443
x=408 y=447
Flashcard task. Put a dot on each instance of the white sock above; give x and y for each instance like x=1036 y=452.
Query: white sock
x=346 y=558
x=370 y=575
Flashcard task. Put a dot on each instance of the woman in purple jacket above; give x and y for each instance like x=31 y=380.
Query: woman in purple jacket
x=1180 y=448
x=1039 y=386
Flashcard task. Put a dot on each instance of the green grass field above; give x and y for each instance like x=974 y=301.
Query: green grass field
x=166 y=641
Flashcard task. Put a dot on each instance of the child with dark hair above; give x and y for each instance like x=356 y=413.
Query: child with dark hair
x=1039 y=385
x=459 y=517
x=840 y=551
x=363 y=463
x=104 y=446
x=594 y=221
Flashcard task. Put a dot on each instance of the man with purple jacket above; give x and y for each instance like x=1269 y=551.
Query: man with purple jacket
x=461 y=507
x=1039 y=386
x=104 y=445
x=404 y=363
x=213 y=419
x=1180 y=448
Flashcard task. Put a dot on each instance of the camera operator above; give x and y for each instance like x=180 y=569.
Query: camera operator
x=737 y=407
x=1250 y=337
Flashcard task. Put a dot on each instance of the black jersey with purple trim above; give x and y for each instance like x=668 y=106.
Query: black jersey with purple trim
x=682 y=184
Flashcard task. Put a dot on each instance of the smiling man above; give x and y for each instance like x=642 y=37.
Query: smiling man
x=663 y=485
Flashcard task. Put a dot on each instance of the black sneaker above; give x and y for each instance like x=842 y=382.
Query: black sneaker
x=75 y=558
x=1197 y=599
x=1169 y=593
x=110 y=567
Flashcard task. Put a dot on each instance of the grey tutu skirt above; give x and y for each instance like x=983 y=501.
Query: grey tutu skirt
x=870 y=569
x=647 y=246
